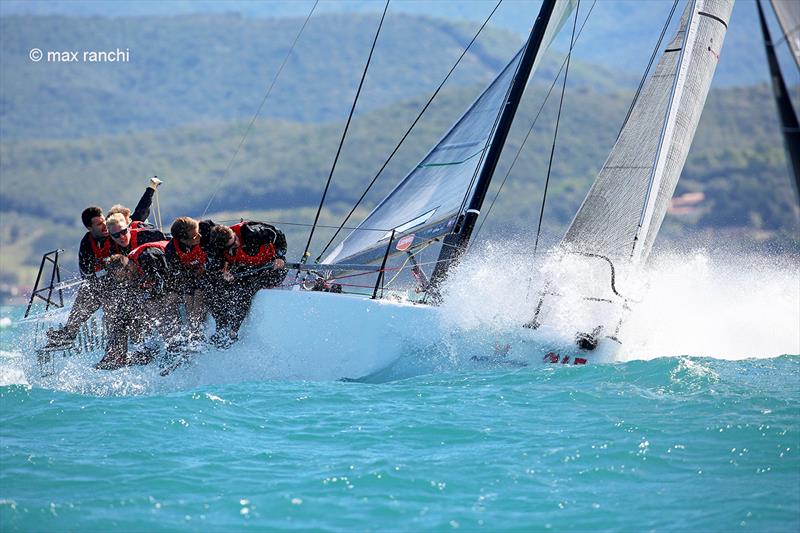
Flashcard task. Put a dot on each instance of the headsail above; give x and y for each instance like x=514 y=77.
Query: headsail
x=624 y=209
x=428 y=201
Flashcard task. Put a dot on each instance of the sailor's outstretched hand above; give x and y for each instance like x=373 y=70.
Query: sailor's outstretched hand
x=155 y=182
x=278 y=264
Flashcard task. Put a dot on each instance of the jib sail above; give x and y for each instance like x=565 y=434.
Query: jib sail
x=429 y=200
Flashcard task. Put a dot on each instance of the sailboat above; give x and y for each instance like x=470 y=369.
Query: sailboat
x=422 y=229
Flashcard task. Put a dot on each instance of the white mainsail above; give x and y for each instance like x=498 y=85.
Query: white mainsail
x=624 y=209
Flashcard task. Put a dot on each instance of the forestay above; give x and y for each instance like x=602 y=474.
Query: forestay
x=428 y=200
x=624 y=209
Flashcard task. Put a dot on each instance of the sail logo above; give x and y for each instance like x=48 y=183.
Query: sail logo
x=405 y=243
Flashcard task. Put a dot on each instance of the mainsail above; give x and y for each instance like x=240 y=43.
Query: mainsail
x=623 y=211
x=429 y=200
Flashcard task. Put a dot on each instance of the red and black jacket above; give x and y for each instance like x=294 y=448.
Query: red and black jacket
x=189 y=264
x=137 y=252
x=93 y=253
x=151 y=262
x=260 y=243
x=139 y=236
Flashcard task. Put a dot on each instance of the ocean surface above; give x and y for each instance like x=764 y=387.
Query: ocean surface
x=699 y=432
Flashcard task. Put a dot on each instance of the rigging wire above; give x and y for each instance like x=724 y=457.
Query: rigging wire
x=304 y=258
x=408 y=131
x=555 y=133
x=530 y=130
x=258 y=111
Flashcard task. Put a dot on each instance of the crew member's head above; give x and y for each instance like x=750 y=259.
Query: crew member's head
x=186 y=231
x=94 y=221
x=118 y=266
x=223 y=239
x=118 y=229
x=119 y=208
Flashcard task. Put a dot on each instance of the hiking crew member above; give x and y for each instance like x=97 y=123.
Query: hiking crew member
x=186 y=255
x=125 y=237
x=158 y=306
x=93 y=253
x=142 y=211
x=253 y=257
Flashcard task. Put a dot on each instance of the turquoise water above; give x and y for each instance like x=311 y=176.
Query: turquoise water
x=671 y=443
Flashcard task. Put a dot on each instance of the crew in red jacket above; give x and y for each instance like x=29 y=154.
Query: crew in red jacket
x=245 y=258
x=186 y=255
x=93 y=253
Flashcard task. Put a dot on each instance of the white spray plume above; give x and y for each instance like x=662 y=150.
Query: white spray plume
x=725 y=305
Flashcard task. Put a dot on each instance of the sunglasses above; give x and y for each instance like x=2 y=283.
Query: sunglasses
x=120 y=233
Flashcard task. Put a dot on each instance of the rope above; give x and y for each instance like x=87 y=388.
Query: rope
x=344 y=135
x=408 y=131
x=258 y=111
x=158 y=213
x=400 y=269
x=530 y=130
x=555 y=133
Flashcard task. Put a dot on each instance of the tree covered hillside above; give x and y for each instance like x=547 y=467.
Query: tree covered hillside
x=208 y=68
x=737 y=161
x=73 y=135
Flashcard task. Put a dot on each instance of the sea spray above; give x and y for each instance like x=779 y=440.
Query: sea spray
x=725 y=305
x=716 y=305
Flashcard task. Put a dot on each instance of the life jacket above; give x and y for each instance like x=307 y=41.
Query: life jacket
x=194 y=258
x=265 y=253
x=100 y=253
x=136 y=252
x=137 y=224
x=155 y=268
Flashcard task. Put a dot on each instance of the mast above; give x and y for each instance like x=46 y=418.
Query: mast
x=789 y=124
x=456 y=242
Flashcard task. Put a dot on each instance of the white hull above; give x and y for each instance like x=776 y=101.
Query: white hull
x=322 y=336
x=301 y=335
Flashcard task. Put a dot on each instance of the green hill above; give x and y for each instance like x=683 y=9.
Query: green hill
x=211 y=68
x=737 y=161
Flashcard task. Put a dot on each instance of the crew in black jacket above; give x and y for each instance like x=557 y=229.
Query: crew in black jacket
x=245 y=258
x=93 y=253
x=187 y=255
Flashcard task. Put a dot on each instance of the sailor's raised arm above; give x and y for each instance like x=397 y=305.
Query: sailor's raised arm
x=142 y=210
